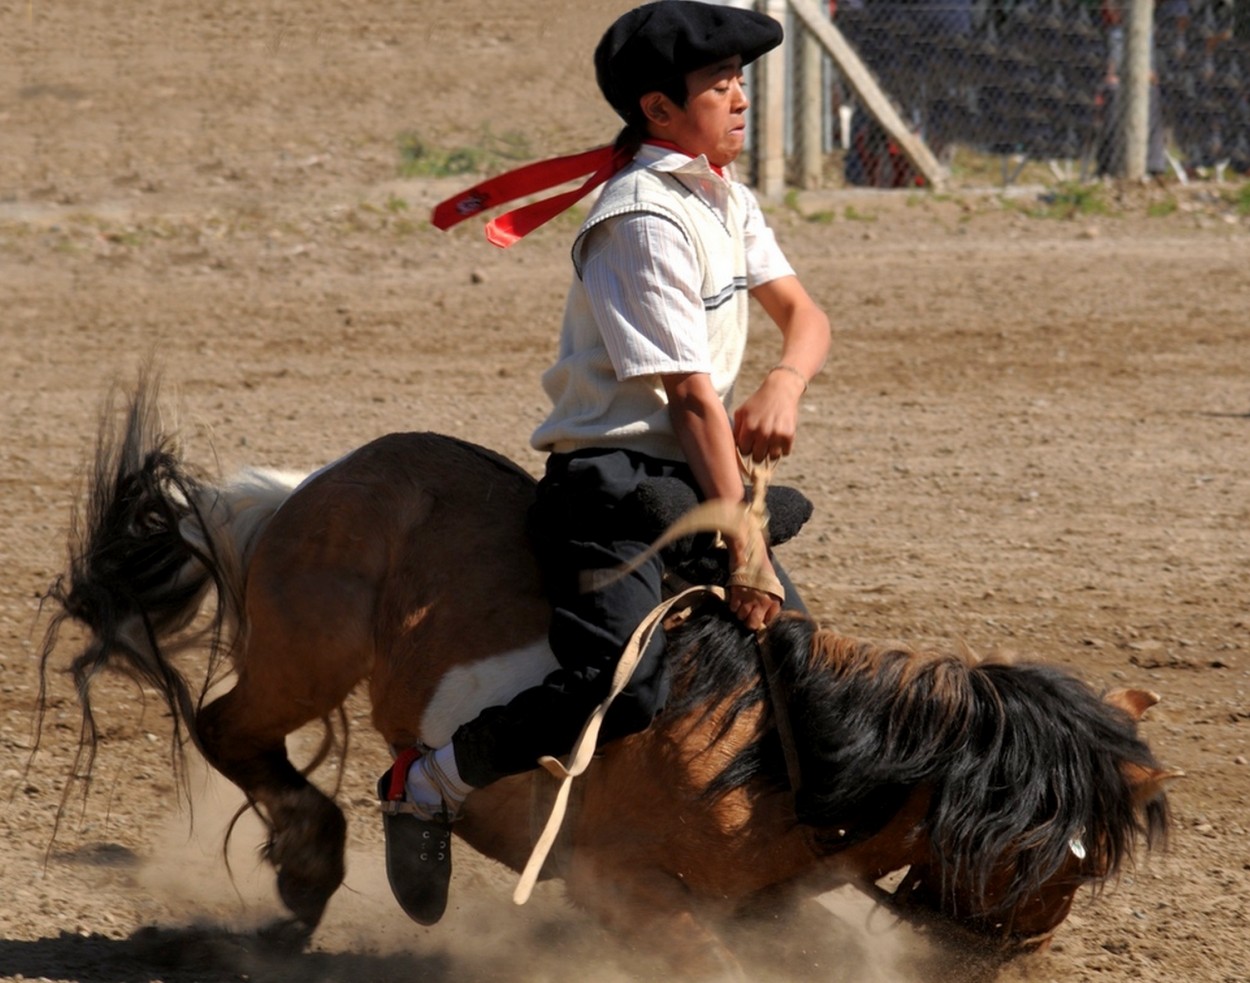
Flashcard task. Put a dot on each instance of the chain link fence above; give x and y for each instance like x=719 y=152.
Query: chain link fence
x=1015 y=81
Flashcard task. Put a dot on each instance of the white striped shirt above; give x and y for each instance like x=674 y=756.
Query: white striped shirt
x=663 y=273
x=642 y=275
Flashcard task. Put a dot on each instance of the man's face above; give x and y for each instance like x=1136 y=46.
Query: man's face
x=713 y=121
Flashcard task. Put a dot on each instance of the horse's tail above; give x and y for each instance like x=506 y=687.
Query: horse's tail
x=149 y=546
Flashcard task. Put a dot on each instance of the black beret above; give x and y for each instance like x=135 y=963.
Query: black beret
x=659 y=42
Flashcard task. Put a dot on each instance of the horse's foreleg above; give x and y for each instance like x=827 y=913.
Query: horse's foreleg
x=307 y=830
x=652 y=911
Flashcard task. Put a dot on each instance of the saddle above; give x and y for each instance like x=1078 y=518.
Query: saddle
x=656 y=504
x=653 y=508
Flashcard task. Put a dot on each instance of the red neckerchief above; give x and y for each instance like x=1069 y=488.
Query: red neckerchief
x=602 y=163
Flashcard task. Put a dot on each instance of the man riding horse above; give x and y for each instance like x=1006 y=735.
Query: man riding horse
x=654 y=332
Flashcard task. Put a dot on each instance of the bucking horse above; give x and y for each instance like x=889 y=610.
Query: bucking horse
x=998 y=788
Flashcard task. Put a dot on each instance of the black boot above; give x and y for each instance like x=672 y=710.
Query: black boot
x=418 y=855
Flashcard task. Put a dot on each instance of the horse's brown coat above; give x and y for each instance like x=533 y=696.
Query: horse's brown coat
x=409 y=557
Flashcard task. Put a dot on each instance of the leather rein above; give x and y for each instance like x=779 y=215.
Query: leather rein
x=707 y=517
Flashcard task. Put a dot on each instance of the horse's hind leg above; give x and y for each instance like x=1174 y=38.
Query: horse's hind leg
x=307 y=830
x=243 y=734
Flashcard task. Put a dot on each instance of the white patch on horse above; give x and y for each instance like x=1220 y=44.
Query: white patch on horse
x=467 y=690
x=239 y=510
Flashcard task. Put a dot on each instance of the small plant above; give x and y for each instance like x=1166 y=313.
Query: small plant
x=1240 y=199
x=970 y=167
x=493 y=153
x=1162 y=209
x=419 y=159
x=791 y=202
x=127 y=237
x=853 y=214
x=1072 y=200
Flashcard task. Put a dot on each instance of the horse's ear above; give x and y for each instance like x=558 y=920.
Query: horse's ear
x=1149 y=782
x=1134 y=702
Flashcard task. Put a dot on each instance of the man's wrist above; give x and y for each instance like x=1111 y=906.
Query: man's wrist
x=787 y=370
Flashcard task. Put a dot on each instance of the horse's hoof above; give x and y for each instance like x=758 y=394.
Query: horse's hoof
x=307 y=852
x=304 y=898
x=286 y=935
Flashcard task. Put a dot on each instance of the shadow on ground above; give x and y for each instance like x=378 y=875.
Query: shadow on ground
x=202 y=954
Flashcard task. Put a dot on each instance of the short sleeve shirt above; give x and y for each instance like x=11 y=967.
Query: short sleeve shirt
x=642 y=278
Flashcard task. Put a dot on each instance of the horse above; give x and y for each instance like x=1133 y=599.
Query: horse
x=784 y=764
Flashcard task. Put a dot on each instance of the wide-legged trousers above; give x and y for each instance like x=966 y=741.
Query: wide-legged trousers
x=580 y=521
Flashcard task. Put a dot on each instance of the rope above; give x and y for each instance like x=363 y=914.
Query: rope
x=584 y=750
x=706 y=516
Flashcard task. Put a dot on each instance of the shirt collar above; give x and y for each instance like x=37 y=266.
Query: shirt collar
x=667 y=158
x=696 y=173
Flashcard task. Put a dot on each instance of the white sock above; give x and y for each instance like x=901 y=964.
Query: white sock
x=434 y=782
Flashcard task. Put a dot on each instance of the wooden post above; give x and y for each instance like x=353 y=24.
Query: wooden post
x=810 y=113
x=1135 y=88
x=868 y=92
x=771 y=148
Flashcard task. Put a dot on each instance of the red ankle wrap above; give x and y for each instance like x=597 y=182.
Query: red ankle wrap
x=399 y=773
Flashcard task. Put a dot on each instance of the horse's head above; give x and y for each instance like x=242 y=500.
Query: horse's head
x=1002 y=787
x=1010 y=909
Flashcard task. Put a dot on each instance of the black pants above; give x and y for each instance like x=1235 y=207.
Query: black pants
x=579 y=523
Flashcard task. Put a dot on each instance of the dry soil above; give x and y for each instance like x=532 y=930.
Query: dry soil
x=1031 y=436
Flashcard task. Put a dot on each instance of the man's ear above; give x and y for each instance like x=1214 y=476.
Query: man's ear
x=657 y=108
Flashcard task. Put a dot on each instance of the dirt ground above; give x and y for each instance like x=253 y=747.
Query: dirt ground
x=1031 y=436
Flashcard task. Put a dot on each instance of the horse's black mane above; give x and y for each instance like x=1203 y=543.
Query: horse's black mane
x=1020 y=758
